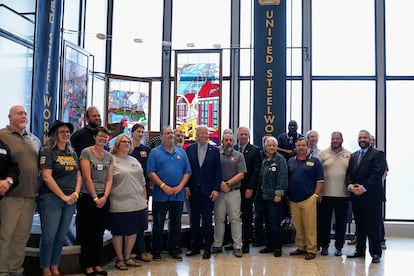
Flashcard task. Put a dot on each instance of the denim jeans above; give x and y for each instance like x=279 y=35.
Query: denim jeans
x=159 y=211
x=273 y=213
x=55 y=217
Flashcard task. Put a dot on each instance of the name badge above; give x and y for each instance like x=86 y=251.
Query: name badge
x=310 y=163
x=3 y=151
x=100 y=167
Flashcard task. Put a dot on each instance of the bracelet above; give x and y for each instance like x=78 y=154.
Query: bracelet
x=162 y=185
x=95 y=199
x=316 y=195
x=76 y=195
x=94 y=195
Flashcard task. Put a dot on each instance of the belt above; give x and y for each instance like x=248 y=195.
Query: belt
x=234 y=189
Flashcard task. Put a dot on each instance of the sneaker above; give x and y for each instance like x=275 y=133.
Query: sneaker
x=238 y=253
x=215 y=249
x=383 y=245
x=324 y=251
x=338 y=252
x=156 y=256
x=145 y=257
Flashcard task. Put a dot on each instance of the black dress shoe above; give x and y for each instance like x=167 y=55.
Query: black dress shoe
x=277 y=253
x=102 y=272
x=356 y=254
x=192 y=253
x=206 y=255
x=376 y=259
x=176 y=256
x=245 y=249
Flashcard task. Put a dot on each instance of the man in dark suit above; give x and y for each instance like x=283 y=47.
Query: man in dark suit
x=364 y=181
x=249 y=183
x=203 y=189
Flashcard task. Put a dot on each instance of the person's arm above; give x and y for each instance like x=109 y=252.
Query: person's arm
x=108 y=186
x=54 y=187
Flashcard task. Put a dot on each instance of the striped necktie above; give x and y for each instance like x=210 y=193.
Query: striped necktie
x=361 y=154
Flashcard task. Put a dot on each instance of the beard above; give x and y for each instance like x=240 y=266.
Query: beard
x=228 y=148
x=22 y=125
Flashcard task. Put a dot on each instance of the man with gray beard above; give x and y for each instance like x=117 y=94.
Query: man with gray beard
x=18 y=206
x=229 y=199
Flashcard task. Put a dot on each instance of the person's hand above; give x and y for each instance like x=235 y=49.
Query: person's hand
x=224 y=187
x=101 y=202
x=214 y=195
x=277 y=198
x=248 y=193
x=187 y=193
x=69 y=200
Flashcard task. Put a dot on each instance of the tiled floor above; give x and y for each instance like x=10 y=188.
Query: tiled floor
x=398 y=259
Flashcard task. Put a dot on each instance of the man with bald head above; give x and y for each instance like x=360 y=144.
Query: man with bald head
x=18 y=206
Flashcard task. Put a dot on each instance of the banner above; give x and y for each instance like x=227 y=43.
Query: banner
x=269 y=100
x=46 y=66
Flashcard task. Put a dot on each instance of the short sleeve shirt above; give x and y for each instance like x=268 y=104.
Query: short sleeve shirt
x=99 y=168
x=64 y=166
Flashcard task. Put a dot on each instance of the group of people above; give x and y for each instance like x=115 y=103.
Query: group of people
x=237 y=184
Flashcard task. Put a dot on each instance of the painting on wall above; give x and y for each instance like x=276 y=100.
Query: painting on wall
x=74 y=84
x=128 y=101
x=197 y=86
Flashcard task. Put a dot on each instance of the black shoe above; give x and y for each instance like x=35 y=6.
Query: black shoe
x=102 y=272
x=297 y=252
x=265 y=250
x=93 y=273
x=277 y=253
x=324 y=251
x=176 y=256
x=338 y=252
x=356 y=254
x=376 y=259
x=192 y=253
x=245 y=249
x=206 y=255
x=156 y=256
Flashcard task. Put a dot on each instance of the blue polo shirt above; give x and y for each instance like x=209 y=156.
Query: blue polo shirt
x=303 y=175
x=170 y=168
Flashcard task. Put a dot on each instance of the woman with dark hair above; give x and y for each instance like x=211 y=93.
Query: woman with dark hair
x=57 y=197
x=141 y=152
x=128 y=202
x=93 y=206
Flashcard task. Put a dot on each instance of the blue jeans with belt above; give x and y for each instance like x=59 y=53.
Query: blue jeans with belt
x=55 y=217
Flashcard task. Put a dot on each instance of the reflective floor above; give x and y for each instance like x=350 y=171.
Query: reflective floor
x=397 y=259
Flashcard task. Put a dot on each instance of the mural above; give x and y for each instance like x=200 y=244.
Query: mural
x=128 y=103
x=75 y=68
x=197 y=93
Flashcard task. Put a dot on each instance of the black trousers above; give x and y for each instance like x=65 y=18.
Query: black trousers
x=367 y=215
x=90 y=224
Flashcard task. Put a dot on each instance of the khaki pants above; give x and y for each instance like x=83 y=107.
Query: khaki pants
x=304 y=220
x=16 y=217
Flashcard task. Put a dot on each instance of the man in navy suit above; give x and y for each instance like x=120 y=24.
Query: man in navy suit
x=203 y=189
x=248 y=184
x=364 y=181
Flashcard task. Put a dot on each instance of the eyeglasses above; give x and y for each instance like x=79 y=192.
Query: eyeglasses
x=128 y=142
x=64 y=132
x=102 y=136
